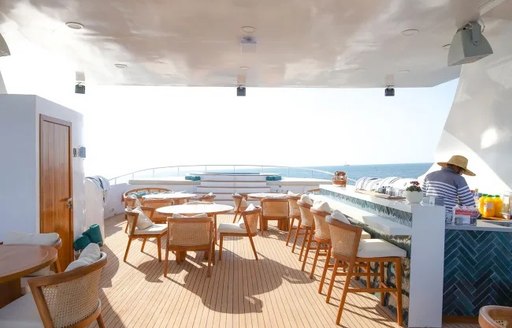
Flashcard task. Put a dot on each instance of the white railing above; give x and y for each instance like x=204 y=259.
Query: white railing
x=183 y=170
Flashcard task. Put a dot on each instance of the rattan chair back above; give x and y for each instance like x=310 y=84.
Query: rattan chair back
x=321 y=226
x=69 y=299
x=306 y=216
x=344 y=239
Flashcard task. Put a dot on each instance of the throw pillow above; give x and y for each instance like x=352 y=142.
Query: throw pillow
x=320 y=205
x=143 y=222
x=89 y=255
x=337 y=215
x=306 y=199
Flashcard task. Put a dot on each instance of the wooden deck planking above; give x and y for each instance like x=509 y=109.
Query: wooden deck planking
x=242 y=292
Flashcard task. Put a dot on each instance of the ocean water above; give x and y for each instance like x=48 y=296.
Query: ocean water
x=354 y=172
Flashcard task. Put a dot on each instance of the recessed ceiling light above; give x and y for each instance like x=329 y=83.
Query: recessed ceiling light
x=244 y=68
x=74 y=25
x=119 y=65
x=248 y=29
x=410 y=32
x=403 y=71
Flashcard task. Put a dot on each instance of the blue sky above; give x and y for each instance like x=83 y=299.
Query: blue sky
x=159 y=126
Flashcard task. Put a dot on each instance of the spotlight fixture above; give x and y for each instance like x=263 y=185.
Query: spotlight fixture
x=240 y=91
x=389 y=91
x=80 y=80
x=79 y=88
x=468 y=45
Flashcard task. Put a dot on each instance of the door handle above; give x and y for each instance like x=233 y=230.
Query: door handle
x=69 y=203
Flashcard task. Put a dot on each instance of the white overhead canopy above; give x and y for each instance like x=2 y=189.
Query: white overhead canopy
x=286 y=43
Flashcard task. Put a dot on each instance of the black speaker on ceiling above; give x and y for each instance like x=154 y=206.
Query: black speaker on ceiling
x=240 y=91
x=79 y=88
x=389 y=92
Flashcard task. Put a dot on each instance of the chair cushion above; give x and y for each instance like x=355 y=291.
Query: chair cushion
x=306 y=199
x=17 y=237
x=320 y=205
x=153 y=229
x=231 y=228
x=378 y=248
x=22 y=313
x=143 y=222
x=291 y=193
x=89 y=255
x=365 y=235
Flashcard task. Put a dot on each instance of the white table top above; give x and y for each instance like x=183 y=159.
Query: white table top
x=212 y=208
x=165 y=195
x=260 y=195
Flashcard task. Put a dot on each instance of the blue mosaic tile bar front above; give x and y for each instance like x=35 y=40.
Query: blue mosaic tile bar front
x=477 y=271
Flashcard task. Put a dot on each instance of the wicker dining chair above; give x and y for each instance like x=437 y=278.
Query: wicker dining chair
x=353 y=255
x=190 y=233
x=150 y=230
x=274 y=209
x=240 y=204
x=246 y=227
x=495 y=316
x=154 y=204
x=67 y=299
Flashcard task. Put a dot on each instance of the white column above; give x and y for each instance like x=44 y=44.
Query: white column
x=427 y=263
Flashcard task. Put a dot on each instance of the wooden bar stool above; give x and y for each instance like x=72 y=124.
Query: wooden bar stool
x=319 y=235
x=336 y=215
x=322 y=236
x=294 y=214
x=354 y=254
x=306 y=226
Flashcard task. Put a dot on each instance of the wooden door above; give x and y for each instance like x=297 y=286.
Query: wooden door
x=56 y=214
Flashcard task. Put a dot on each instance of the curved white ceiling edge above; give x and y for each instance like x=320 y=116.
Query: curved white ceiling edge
x=479 y=125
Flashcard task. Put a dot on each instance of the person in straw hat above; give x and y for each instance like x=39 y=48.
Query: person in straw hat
x=449 y=184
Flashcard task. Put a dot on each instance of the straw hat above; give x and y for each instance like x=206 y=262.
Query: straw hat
x=459 y=161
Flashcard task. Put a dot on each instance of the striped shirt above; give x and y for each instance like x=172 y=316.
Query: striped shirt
x=449 y=186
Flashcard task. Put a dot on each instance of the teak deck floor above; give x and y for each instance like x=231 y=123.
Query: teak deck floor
x=242 y=292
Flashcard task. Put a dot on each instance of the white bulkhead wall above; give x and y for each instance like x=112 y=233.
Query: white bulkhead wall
x=19 y=167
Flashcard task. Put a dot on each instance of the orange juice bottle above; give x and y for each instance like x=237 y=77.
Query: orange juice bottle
x=488 y=206
x=498 y=205
x=481 y=202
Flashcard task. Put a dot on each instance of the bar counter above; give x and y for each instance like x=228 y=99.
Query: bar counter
x=450 y=270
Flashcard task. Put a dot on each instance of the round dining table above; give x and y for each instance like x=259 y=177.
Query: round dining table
x=261 y=195
x=170 y=195
x=193 y=209
x=17 y=261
